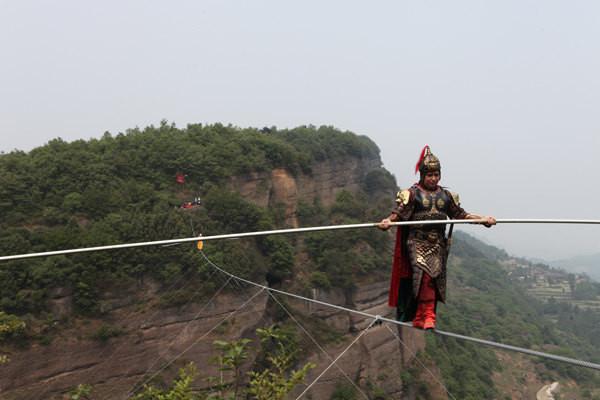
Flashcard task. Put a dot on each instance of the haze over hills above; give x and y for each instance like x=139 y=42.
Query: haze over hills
x=588 y=264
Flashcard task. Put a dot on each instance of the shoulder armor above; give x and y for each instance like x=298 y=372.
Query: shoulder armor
x=455 y=197
x=402 y=197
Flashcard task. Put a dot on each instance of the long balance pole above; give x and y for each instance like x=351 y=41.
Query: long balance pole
x=294 y=230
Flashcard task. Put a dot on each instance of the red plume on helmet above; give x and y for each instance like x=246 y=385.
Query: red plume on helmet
x=421 y=158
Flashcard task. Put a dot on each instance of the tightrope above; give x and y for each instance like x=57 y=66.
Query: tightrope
x=294 y=230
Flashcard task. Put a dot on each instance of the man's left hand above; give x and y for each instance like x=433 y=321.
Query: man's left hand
x=489 y=222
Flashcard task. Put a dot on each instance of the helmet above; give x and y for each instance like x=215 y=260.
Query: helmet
x=427 y=162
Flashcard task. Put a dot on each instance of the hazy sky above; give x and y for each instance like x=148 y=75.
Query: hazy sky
x=506 y=94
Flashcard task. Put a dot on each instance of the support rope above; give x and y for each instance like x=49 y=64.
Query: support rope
x=579 y=363
x=183 y=330
x=420 y=362
x=339 y=356
x=148 y=319
x=318 y=345
x=231 y=314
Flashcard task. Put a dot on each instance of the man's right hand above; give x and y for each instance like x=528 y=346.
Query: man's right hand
x=384 y=225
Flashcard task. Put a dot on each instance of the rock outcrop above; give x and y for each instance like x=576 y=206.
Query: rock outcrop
x=326 y=180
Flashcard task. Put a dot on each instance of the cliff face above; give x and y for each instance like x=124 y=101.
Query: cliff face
x=327 y=179
x=379 y=357
x=148 y=337
x=148 y=340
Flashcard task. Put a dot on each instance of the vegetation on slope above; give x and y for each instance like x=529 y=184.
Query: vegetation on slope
x=122 y=189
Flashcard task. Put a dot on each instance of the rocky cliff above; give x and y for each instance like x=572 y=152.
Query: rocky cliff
x=325 y=181
x=138 y=341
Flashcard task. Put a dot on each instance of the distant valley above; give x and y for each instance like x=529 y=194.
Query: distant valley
x=554 y=284
x=587 y=264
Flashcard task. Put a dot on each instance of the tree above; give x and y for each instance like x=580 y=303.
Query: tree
x=232 y=356
x=180 y=389
x=10 y=326
x=271 y=379
x=278 y=379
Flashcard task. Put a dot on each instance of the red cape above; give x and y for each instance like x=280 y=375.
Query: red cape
x=400 y=269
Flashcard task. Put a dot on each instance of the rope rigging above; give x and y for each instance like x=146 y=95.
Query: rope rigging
x=407 y=348
x=375 y=319
x=183 y=331
x=317 y=344
x=230 y=278
x=338 y=357
x=221 y=322
x=568 y=360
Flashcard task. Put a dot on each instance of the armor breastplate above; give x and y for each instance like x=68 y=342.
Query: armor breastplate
x=426 y=243
x=430 y=206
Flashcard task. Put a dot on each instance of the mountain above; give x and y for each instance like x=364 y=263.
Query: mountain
x=115 y=320
x=106 y=319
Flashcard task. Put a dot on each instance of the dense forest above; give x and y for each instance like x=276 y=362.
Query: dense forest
x=123 y=188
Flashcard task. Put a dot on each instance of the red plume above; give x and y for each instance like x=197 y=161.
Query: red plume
x=421 y=158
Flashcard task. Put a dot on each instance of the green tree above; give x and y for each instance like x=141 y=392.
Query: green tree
x=277 y=379
x=81 y=392
x=232 y=356
x=180 y=389
x=11 y=326
x=271 y=379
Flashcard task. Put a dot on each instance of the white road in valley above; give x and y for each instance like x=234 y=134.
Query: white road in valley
x=545 y=393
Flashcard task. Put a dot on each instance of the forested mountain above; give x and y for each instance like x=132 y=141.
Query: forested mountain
x=104 y=319
x=123 y=189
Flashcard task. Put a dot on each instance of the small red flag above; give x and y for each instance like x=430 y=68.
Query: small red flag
x=180 y=178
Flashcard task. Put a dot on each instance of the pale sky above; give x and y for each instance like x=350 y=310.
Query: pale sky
x=506 y=93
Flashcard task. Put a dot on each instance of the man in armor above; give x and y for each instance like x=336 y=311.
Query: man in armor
x=419 y=268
